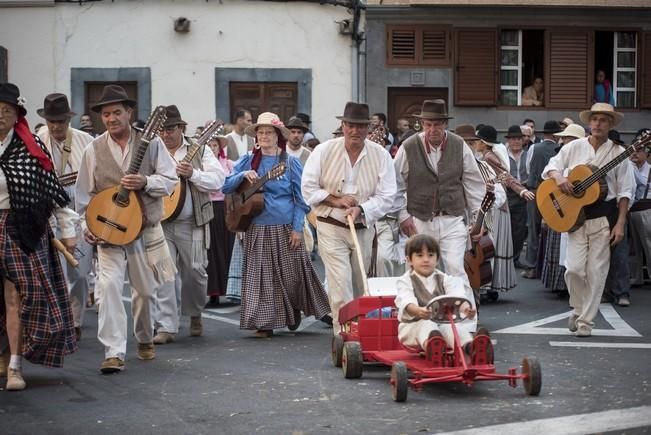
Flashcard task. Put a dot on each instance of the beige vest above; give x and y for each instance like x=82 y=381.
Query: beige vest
x=333 y=162
x=201 y=203
x=429 y=192
x=108 y=174
x=423 y=295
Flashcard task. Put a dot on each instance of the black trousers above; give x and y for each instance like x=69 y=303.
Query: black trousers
x=518 y=209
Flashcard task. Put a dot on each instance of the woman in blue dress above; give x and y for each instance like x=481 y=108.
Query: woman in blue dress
x=278 y=279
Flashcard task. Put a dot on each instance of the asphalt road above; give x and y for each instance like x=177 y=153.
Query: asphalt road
x=229 y=383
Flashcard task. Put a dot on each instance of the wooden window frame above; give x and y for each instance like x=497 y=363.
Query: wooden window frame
x=418 y=60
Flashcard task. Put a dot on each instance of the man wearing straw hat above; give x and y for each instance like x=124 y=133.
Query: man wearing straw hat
x=348 y=176
x=588 y=253
x=438 y=180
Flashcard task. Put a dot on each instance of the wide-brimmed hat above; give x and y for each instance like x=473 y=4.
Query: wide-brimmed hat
x=10 y=94
x=552 y=127
x=56 y=108
x=268 y=119
x=113 y=94
x=433 y=109
x=338 y=132
x=173 y=117
x=356 y=113
x=488 y=134
x=601 y=108
x=615 y=137
x=296 y=122
x=466 y=131
x=573 y=130
x=304 y=117
x=514 y=131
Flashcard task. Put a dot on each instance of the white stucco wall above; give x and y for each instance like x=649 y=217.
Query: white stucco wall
x=44 y=43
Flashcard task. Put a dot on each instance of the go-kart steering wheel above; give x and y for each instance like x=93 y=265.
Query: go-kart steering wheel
x=441 y=306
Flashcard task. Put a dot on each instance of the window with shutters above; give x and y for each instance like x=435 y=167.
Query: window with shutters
x=521 y=65
x=409 y=45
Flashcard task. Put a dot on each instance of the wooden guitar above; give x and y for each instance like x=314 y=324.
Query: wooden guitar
x=115 y=215
x=477 y=258
x=173 y=204
x=564 y=213
x=247 y=202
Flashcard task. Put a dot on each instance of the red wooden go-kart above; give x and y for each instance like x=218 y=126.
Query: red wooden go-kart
x=369 y=333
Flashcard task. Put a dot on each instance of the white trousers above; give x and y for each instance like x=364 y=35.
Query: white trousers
x=113 y=261
x=387 y=234
x=77 y=278
x=415 y=334
x=189 y=289
x=339 y=257
x=587 y=262
x=641 y=234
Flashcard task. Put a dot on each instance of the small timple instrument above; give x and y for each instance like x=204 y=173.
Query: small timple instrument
x=477 y=258
x=248 y=202
x=173 y=204
x=115 y=215
x=564 y=213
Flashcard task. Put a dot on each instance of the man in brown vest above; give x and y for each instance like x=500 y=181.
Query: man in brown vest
x=187 y=232
x=105 y=162
x=349 y=176
x=438 y=181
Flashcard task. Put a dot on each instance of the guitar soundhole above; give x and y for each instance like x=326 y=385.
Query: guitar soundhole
x=120 y=202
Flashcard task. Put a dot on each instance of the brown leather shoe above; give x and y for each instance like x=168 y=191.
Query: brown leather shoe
x=163 y=338
x=111 y=365
x=4 y=363
x=196 y=328
x=15 y=381
x=146 y=351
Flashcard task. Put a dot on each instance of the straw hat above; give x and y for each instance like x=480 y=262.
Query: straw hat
x=573 y=130
x=270 y=120
x=601 y=108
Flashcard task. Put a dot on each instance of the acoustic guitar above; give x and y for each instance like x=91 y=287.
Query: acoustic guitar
x=565 y=213
x=477 y=259
x=248 y=202
x=115 y=215
x=173 y=204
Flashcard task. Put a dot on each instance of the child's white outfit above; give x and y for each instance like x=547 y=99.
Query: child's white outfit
x=416 y=289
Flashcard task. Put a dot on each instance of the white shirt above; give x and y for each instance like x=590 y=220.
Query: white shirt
x=376 y=206
x=65 y=217
x=160 y=183
x=79 y=141
x=620 y=180
x=209 y=180
x=473 y=183
x=500 y=151
x=642 y=180
x=241 y=142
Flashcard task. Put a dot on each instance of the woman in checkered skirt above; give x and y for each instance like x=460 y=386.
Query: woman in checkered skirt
x=35 y=313
x=278 y=279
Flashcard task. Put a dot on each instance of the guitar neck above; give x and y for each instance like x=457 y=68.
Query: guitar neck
x=476 y=228
x=601 y=172
x=248 y=193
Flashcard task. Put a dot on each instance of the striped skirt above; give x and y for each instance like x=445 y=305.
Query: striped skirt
x=503 y=268
x=553 y=273
x=234 y=285
x=219 y=254
x=278 y=280
x=45 y=314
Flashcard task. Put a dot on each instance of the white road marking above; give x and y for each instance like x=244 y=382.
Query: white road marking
x=620 y=327
x=600 y=345
x=579 y=424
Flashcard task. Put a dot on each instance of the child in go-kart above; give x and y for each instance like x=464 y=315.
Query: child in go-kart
x=417 y=287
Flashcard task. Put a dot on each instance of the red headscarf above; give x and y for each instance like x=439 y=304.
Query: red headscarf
x=22 y=130
x=257 y=152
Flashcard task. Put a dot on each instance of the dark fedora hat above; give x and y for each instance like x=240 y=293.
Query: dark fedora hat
x=488 y=134
x=357 y=113
x=433 y=109
x=551 y=127
x=296 y=122
x=10 y=94
x=56 y=108
x=304 y=117
x=514 y=131
x=173 y=117
x=113 y=94
x=466 y=131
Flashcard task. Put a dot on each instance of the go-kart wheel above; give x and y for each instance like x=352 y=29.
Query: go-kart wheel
x=351 y=361
x=399 y=381
x=533 y=381
x=337 y=350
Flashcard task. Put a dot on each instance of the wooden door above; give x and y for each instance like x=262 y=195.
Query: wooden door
x=280 y=98
x=93 y=92
x=404 y=102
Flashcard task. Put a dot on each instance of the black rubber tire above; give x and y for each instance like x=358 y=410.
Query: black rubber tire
x=337 y=349
x=352 y=362
x=533 y=382
x=399 y=381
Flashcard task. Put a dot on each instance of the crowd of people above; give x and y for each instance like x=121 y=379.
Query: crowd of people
x=422 y=187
